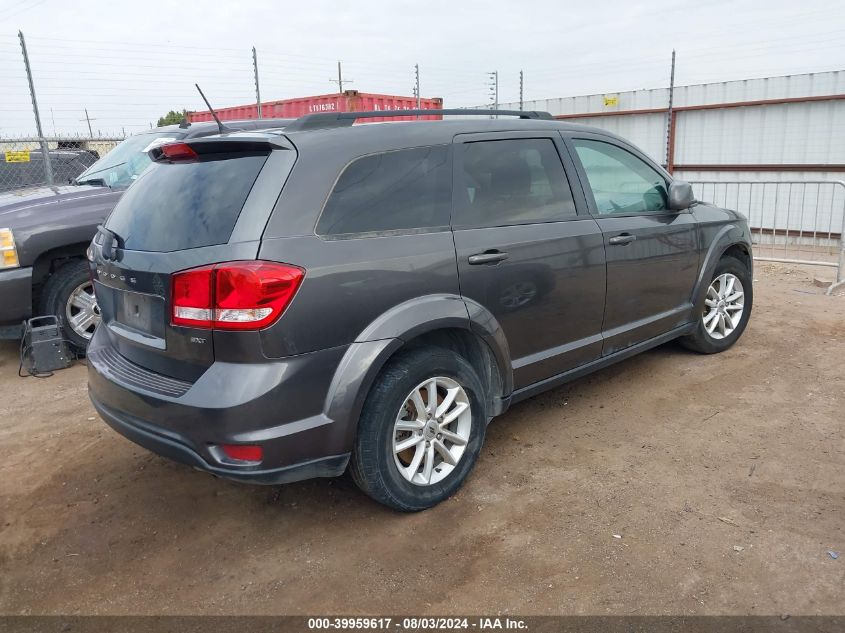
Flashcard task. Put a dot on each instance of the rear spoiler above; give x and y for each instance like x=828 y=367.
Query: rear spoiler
x=239 y=142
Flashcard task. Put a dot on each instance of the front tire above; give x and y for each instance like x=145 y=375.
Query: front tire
x=69 y=294
x=420 y=431
x=726 y=309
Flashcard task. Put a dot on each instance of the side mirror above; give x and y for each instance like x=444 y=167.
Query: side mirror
x=680 y=195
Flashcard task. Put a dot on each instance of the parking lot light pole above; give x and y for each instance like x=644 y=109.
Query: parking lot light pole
x=45 y=149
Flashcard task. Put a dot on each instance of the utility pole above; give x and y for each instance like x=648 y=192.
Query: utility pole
x=339 y=81
x=88 y=118
x=417 y=84
x=45 y=149
x=520 y=90
x=494 y=89
x=257 y=89
x=670 y=120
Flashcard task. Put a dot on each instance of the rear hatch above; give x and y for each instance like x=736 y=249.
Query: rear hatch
x=200 y=203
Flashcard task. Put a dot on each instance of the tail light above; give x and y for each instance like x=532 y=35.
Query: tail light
x=233 y=295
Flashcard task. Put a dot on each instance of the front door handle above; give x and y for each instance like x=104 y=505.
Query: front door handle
x=487 y=257
x=624 y=238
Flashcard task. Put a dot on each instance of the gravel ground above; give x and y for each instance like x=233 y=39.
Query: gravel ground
x=671 y=483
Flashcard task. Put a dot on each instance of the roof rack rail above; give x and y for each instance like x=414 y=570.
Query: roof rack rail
x=325 y=120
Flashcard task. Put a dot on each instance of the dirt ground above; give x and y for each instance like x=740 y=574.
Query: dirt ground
x=723 y=475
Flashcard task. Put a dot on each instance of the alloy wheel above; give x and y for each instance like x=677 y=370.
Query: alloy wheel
x=431 y=431
x=723 y=306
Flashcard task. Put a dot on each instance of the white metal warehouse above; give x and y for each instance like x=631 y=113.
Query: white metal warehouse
x=790 y=127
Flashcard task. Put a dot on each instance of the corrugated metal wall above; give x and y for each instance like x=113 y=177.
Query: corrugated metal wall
x=646 y=131
x=791 y=133
x=789 y=86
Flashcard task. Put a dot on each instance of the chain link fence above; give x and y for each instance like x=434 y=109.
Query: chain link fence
x=23 y=162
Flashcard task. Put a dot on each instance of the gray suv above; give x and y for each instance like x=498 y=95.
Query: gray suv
x=280 y=306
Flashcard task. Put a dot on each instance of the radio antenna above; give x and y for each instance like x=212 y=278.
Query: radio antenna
x=223 y=129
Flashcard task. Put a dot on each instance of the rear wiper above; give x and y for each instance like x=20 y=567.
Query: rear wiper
x=109 y=244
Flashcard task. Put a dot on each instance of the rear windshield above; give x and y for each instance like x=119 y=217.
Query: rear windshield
x=184 y=205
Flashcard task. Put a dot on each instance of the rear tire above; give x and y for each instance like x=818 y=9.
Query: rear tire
x=452 y=432
x=68 y=294
x=723 y=316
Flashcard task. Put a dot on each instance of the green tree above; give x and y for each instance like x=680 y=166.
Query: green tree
x=172 y=117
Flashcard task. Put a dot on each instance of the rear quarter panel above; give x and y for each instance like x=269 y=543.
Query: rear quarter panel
x=349 y=283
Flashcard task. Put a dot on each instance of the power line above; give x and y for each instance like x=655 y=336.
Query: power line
x=23 y=10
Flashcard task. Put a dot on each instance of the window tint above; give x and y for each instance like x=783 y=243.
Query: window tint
x=394 y=191
x=621 y=182
x=184 y=205
x=518 y=181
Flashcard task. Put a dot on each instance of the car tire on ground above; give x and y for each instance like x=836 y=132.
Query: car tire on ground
x=726 y=310
x=69 y=294
x=411 y=453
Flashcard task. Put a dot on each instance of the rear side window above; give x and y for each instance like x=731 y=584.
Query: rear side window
x=176 y=206
x=394 y=191
x=518 y=181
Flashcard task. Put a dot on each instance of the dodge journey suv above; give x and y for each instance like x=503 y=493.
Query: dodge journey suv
x=284 y=305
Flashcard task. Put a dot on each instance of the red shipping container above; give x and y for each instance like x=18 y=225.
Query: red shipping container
x=347 y=101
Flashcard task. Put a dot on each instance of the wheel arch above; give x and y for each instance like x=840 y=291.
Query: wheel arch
x=731 y=240
x=740 y=251
x=439 y=320
x=48 y=263
x=51 y=260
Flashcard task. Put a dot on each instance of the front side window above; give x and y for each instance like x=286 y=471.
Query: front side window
x=402 y=190
x=621 y=182
x=515 y=181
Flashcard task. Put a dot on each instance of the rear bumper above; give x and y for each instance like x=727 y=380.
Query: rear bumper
x=16 y=290
x=278 y=405
x=141 y=433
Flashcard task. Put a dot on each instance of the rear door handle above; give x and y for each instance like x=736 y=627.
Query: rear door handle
x=488 y=257
x=624 y=238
